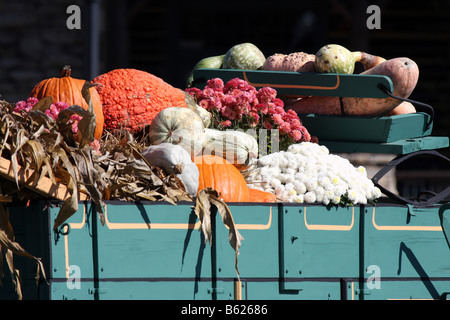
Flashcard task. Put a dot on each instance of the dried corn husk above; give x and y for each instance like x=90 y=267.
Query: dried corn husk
x=47 y=150
x=207 y=198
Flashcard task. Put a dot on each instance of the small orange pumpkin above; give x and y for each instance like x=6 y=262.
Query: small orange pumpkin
x=67 y=89
x=256 y=195
x=221 y=175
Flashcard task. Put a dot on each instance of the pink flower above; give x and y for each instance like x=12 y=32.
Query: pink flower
x=216 y=84
x=204 y=104
x=229 y=100
x=295 y=124
x=266 y=94
x=277 y=119
x=237 y=83
x=229 y=113
x=239 y=103
x=285 y=128
x=262 y=107
x=194 y=92
x=23 y=107
x=32 y=101
x=279 y=110
x=268 y=125
x=215 y=103
x=305 y=133
x=296 y=135
x=225 y=124
x=253 y=119
x=278 y=102
x=208 y=92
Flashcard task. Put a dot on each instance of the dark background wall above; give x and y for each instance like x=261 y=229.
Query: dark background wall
x=167 y=38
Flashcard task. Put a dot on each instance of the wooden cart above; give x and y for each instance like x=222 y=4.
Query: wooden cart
x=153 y=250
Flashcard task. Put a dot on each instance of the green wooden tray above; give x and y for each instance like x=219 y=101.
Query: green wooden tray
x=399 y=134
x=403 y=146
x=368 y=129
x=296 y=83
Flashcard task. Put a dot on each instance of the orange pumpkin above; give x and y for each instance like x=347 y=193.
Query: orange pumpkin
x=67 y=89
x=221 y=175
x=256 y=195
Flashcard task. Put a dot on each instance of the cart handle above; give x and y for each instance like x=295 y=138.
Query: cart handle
x=414 y=102
x=417 y=202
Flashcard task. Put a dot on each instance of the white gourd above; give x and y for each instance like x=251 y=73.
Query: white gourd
x=179 y=126
x=238 y=147
x=174 y=159
x=204 y=114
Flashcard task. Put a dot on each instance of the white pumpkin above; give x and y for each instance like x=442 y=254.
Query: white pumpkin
x=236 y=146
x=180 y=126
x=174 y=159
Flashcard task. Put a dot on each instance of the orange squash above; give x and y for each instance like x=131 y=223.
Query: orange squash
x=132 y=98
x=221 y=175
x=67 y=89
x=403 y=108
x=404 y=74
x=256 y=195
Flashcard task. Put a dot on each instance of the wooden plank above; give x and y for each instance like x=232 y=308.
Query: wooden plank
x=397 y=147
x=43 y=186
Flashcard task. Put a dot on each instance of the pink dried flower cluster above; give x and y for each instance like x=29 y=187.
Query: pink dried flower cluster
x=23 y=107
x=237 y=104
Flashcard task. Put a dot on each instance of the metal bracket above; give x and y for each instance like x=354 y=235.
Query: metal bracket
x=95 y=291
x=444 y=215
x=290 y=246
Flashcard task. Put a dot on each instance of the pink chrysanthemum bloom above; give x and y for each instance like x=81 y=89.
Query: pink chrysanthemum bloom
x=239 y=105
x=216 y=84
x=225 y=124
x=296 y=135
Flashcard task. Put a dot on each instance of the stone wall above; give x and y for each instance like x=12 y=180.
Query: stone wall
x=35 y=44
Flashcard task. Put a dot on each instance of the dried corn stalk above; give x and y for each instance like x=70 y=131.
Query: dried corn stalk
x=205 y=199
x=10 y=247
x=49 y=149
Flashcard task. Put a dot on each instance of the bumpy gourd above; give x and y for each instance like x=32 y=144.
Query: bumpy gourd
x=334 y=58
x=294 y=62
x=173 y=159
x=131 y=98
x=238 y=147
x=178 y=125
x=244 y=56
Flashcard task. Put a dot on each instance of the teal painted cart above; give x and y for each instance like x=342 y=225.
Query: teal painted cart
x=155 y=250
